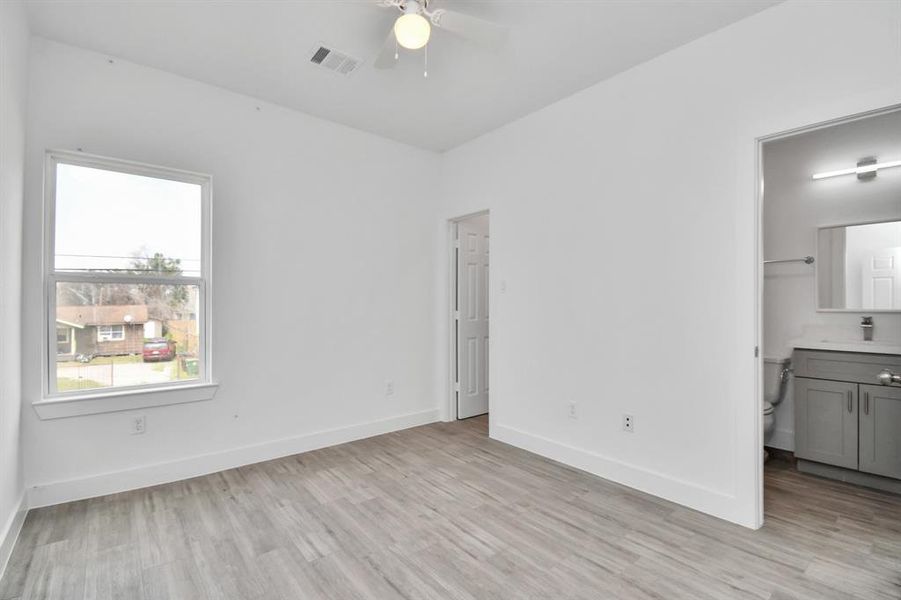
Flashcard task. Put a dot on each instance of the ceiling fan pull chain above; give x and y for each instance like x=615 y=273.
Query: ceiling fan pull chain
x=425 y=59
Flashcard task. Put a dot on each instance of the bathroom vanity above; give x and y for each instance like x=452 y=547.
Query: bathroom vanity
x=848 y=424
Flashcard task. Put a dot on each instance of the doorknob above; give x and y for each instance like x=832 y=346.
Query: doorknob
x=888 y=378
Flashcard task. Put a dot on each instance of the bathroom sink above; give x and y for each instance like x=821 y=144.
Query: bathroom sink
x=847 y=346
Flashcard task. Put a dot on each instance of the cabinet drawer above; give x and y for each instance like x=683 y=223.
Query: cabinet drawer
x=843 y=366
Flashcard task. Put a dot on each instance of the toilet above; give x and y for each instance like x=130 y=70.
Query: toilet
x=783 y=372
x=769 y=419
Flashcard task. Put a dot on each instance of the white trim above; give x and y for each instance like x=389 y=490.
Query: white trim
x=141 y=393
x=707 y=500
x=57 y=492
x=89 y=277
x=453 y=247
x=125 y=399
x=758 y=336
x=10 y=532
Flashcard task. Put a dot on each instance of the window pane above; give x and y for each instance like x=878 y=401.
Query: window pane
x=113 y=222
x=118 y=335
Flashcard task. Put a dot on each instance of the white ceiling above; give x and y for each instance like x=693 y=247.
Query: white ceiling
x=262 y=48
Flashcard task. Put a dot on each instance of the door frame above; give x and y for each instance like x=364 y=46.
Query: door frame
x=759 y=270
x=451 y=384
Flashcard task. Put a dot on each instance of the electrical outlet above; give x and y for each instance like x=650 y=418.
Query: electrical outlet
x=573 y=414
x=389 y=387
x=629 y=423
x=138 y=425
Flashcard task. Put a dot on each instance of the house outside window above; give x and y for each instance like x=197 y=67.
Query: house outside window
x=127 y=267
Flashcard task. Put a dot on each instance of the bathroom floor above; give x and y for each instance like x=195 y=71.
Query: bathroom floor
x=442 y=511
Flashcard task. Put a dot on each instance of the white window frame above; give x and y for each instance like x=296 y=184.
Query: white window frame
x=110 y=334
x=55 y=404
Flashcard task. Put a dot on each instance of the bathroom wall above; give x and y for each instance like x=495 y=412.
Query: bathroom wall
x=794 y=207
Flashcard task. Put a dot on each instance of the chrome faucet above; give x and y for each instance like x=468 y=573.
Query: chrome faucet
x=866 y=323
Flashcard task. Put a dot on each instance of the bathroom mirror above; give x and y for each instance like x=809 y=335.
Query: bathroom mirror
x=859 y=267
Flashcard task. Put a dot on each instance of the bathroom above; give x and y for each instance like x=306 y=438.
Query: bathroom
x=831 y=229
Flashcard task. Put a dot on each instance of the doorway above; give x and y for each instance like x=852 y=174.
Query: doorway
x=830 y=297
x=470 y=316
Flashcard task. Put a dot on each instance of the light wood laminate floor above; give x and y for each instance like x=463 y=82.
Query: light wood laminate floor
x=441 y=511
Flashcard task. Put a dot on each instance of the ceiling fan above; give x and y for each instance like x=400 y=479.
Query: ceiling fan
x=413 y=28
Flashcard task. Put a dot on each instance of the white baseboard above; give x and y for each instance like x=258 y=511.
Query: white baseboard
x=782 y=439
x=59 y=492
x=710 y=501
x=10 y=533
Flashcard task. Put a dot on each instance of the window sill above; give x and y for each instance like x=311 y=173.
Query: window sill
x=92 y=404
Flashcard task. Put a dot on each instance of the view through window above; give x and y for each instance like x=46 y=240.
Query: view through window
x=128 y=274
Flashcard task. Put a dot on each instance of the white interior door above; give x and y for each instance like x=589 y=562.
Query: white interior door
x=882 y=279
x=472 y=317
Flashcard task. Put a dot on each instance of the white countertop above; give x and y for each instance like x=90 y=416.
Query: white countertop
x=847 y=346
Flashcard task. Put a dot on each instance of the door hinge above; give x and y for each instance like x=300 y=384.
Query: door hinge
x=457 y=386
x=457 y=315
x=756 y=351
x=456 y=243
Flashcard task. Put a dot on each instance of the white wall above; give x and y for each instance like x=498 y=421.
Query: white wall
x=322 y=281
x=13 y=64
x=623 y=224
x=794 y=207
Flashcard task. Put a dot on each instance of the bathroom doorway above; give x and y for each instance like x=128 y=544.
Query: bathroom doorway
x=469 y=316
x=830 y=304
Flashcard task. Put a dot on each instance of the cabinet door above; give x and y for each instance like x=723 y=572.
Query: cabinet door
x=880 y=430
x=826 y=421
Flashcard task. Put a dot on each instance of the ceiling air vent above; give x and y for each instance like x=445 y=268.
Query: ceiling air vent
x=334 y=60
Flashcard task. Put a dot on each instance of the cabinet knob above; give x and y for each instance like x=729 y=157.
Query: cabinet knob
x=887 y=378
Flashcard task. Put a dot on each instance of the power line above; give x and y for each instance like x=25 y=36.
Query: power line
x=134 y=257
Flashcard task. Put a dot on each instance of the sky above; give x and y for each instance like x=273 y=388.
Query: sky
x=104 y=218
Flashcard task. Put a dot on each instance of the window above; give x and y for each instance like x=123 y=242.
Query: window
x=63 y=340
x=110 y=333
x=127 y=271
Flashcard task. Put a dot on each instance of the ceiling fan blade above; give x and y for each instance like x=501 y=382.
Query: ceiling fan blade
x=472 y=28
x=385 y=59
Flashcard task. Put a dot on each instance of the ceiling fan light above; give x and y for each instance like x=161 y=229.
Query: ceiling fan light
x=412 y=31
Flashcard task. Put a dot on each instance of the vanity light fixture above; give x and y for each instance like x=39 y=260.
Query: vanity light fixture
x=866 y=169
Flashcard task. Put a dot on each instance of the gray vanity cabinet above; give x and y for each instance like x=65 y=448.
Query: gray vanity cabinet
x=847 y=426
x=880 y=430
x=826 y=421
